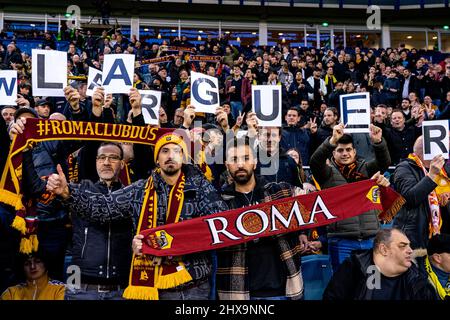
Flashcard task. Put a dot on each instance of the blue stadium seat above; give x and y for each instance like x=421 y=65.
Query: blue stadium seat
x=317 y=272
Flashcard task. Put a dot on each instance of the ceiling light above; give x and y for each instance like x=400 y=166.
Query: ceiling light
x=409 y=37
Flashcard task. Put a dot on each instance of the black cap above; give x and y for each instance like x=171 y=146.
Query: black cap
x=43 y=102
x=439 y=243
x=23 y=110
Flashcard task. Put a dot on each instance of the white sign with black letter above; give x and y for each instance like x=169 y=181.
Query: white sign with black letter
x=435 y=139
x=204 y=92
x=49 y=76
x=151 y=101
x=266 y=103
x=8 y=87
x=355 y=112
x=118 y=73
x=94 y=81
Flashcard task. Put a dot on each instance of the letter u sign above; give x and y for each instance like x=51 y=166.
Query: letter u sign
x=267 y=105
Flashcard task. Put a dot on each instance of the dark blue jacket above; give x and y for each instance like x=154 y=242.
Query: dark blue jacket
x=298 y=138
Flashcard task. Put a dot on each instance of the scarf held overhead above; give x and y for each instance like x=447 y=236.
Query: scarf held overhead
x=38 y=130
x=272 y=218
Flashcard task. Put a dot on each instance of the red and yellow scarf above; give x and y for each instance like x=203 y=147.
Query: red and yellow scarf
x=38 y=130
x=149 y=273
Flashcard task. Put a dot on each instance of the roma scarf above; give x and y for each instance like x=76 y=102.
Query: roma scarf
x=434 y=198
x=237 y=226
x=443 y=293
x=148 y=274
x=38 y=130
x=349 y=171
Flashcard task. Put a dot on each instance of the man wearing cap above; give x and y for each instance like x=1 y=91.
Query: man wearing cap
x=43 y=108
x=437 y=264
x=172 y=177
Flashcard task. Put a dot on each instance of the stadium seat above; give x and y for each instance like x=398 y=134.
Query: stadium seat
x=316 y=270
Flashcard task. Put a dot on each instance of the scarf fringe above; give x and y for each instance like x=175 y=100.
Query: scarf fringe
x=174 y=279
x=140 y=293
x=12 y=199
x=389 y=214
x=19 y=224
x=29 y=244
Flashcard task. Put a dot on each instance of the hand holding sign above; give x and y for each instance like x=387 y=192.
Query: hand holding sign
x=108 y=101
x=97 y=101
x=338 y=132
x=135 y=101
x=73 y=97
x=22 y=102
x=189 y=115
x=436 y=165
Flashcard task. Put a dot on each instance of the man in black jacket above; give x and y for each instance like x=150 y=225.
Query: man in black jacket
x=384 y=273
x=415 y=179
x=102 y=250
x=401 y=136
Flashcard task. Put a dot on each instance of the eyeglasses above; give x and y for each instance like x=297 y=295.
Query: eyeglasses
x=113 y=158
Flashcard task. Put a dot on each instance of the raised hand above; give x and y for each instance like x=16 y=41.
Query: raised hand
x=375 y=134
x=436 y=165
x=135 y=99
x=73 y=97
x=189 y=115
x=57 y=183
x=338 y=132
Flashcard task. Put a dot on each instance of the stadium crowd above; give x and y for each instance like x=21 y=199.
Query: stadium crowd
x=310 y=151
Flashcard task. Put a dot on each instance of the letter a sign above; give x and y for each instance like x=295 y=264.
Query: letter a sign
x=435 y=139
x=204 y=92
x=94 y=81
x=266 y=101
x=49 y=76
x=118 y=72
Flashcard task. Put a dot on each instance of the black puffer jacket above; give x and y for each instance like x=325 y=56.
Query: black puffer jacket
x=365 y=225
x=102 y=250
x=410 y=181
x=350 y=281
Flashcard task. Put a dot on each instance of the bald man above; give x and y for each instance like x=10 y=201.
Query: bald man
x=416 y=179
